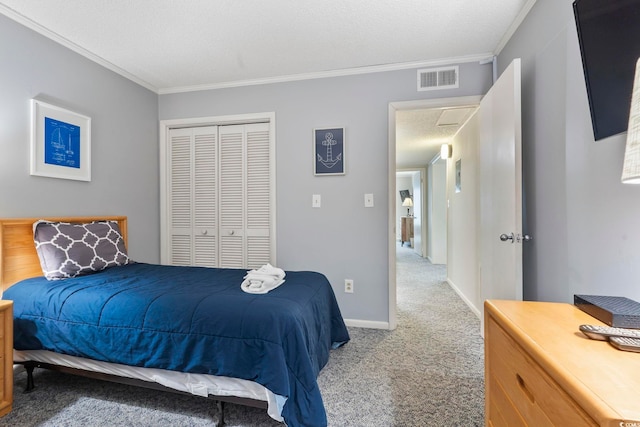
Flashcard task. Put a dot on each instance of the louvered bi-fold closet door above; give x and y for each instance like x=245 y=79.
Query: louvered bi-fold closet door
x=193 y=225
x=259 y=196
x=245 y=195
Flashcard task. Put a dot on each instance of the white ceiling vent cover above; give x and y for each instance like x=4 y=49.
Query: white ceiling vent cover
x=438 y=78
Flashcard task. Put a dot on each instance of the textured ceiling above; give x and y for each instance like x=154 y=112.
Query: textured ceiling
x=419 y=136
x=172 y=45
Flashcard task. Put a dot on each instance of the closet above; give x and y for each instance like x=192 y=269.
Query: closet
x=218 y=206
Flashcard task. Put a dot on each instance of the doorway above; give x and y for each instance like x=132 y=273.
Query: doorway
x=487 y=155
x=411 y=216
x=394 y=108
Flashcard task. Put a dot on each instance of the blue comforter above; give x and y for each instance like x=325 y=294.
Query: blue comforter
x=190 y=319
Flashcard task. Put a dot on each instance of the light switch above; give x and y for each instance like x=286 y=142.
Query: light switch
x=368 y=200
x=315 y=203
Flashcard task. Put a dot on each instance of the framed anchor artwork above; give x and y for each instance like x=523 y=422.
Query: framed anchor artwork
x=60 y=142
x=329 y=152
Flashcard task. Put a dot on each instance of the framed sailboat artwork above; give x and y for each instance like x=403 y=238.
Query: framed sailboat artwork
x=329 y=151
x=60 y=142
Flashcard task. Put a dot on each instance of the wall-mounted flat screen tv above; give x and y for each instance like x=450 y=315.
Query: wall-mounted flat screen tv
x=609 y=36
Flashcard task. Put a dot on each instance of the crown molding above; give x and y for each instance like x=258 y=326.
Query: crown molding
x=328 y=74
x=514 y=26
x=15 y=16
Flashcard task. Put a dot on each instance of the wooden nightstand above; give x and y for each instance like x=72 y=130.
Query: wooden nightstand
x=6 y=356
x=406 y=226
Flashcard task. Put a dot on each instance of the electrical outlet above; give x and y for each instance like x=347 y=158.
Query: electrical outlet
x=368 y=200
x=348 y=286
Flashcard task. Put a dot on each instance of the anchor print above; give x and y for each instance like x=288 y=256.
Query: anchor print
x=329 y=142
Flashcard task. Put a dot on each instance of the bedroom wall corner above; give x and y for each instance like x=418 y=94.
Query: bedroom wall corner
x=124 y=140
x=584 y=221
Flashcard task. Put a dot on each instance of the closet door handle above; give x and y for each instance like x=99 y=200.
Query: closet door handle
x=232 y=232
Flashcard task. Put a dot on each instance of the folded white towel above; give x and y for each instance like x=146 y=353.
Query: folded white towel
x=260 y=276
x=260 y=286
x=268 y=269
x=263 y=279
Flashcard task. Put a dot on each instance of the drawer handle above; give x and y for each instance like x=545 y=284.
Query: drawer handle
x=524 y=388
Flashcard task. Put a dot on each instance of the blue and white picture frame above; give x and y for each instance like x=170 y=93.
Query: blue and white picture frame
x=329 y=151
x=60 y=142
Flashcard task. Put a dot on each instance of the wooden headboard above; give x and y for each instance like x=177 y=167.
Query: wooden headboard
x=18 y=257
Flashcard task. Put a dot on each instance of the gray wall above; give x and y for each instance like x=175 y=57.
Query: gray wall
x=124 y=138
x=342 y=239
x=585 y=223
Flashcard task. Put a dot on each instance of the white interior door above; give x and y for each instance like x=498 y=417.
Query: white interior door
x=500 y=168
x=416 y=182
x=245 y=196
x=231 y=201
x=192 y=197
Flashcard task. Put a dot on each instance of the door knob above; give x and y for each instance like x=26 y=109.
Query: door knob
x=517 y=238
x=505 y=237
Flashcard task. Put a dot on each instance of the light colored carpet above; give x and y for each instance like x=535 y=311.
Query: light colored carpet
x=428 y=372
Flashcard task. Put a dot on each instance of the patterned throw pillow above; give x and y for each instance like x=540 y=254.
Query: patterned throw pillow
x=69 y=250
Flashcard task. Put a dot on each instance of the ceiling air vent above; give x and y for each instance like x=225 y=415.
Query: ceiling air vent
x=438 y=78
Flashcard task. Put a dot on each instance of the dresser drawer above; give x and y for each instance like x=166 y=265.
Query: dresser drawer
x=532 y=392
x=501 y=412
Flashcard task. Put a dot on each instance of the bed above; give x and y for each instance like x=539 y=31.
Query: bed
x=183 y=329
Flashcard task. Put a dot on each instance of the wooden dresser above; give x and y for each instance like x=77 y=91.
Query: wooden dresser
x=540 y=370
x=6 y=356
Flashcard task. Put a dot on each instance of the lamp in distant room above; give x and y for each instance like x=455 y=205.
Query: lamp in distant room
x=407 y=203
x=445 y=151
x=631 y=166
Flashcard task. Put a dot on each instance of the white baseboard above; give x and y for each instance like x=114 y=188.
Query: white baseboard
x=465 y=299
x=370 y=324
